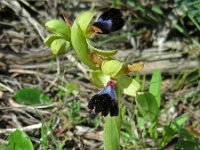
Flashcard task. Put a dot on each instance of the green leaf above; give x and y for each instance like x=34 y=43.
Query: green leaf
x=154 y=88
x=106 y=53
x=84 y=19
x=148 y=106
x=19 y=140
x=111 y=67
x=179 y=122
x=98 y=78
x=128 y=85
x=127 y=127
x=187 y=141
x=59 y=46
x=187 y=145
x=48 y=40
x=80 y=45
x=168 y=134
x=153 y=130
x=59 y=27
x=170 y=130
x=157 y=10
x=112 y=128
x=140 y=122
x=29 y=96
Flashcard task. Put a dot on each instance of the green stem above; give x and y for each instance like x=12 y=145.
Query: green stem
x=112 y=128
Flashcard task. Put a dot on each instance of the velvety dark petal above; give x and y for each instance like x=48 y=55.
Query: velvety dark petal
x=91 y=103
x=110 y=21
x=105 y=112
x=97 y=110
x=114 y=110
x=103 y=102
x=117 y=24
x=111 y=13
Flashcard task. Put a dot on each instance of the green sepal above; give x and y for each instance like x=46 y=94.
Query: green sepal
x=84 y=20
x=59 y=27
x=59 y=46
x=49 y=39
x=111 y=67
x=98 y=78
x=80 y=45
x=106 y=53
x=128 y=85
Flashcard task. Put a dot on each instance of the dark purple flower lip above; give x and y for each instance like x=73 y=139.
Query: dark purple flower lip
x=110 y=21
x=105 y=101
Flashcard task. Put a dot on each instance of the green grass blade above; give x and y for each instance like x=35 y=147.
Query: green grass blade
x=155 y=84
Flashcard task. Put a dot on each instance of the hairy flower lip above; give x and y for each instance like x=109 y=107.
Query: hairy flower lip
x=110 y=21
x=105 y=101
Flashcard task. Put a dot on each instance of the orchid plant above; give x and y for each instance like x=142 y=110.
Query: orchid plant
x=106 y=71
